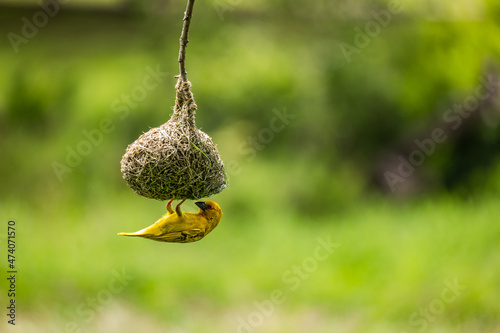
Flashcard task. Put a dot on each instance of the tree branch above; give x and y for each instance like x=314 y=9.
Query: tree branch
x=184 y=39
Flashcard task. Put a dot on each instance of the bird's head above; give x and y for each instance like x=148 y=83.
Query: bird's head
x=211 y=210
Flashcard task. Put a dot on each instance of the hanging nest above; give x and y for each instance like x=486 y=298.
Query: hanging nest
x=175 y=160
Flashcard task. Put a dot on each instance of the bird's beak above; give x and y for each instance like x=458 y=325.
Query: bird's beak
x=201 y=204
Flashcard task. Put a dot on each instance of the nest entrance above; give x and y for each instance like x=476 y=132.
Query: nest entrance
x=175 y=160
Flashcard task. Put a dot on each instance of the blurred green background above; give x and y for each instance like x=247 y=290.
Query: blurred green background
x=325 y=113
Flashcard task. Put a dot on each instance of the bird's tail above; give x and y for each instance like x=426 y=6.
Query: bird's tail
x=148 y=232
x=141 y=233
x=133 y=234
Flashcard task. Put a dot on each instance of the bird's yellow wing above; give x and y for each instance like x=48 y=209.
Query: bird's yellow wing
x=172 y=223
x=185 y=236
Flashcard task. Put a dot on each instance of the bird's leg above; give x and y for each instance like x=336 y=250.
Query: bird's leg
x=169 y=207
x=178 y=208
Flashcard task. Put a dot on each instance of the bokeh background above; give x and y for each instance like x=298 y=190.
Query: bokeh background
x=368 y=126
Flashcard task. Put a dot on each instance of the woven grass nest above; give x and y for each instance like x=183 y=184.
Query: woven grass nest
x=175 y=160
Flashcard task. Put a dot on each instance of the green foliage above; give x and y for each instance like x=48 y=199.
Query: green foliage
x=389 y=262
x=287 y=185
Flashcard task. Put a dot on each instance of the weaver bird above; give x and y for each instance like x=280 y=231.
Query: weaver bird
x=179 y=227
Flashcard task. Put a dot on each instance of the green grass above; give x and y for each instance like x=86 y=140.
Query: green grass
x=390 y=262
x=393 y=259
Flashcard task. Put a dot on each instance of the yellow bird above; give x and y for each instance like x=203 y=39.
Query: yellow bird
x=178 y=227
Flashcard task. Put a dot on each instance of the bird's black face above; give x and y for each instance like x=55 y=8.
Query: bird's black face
x=211 y=211
x=202 y=205
x=207 y=205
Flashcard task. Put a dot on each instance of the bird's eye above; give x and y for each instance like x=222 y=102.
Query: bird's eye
x=210 y=207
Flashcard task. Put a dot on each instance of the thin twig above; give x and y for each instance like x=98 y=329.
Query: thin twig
x=184 y=39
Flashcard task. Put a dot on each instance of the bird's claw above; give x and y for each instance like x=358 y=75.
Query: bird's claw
x=178 y=208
